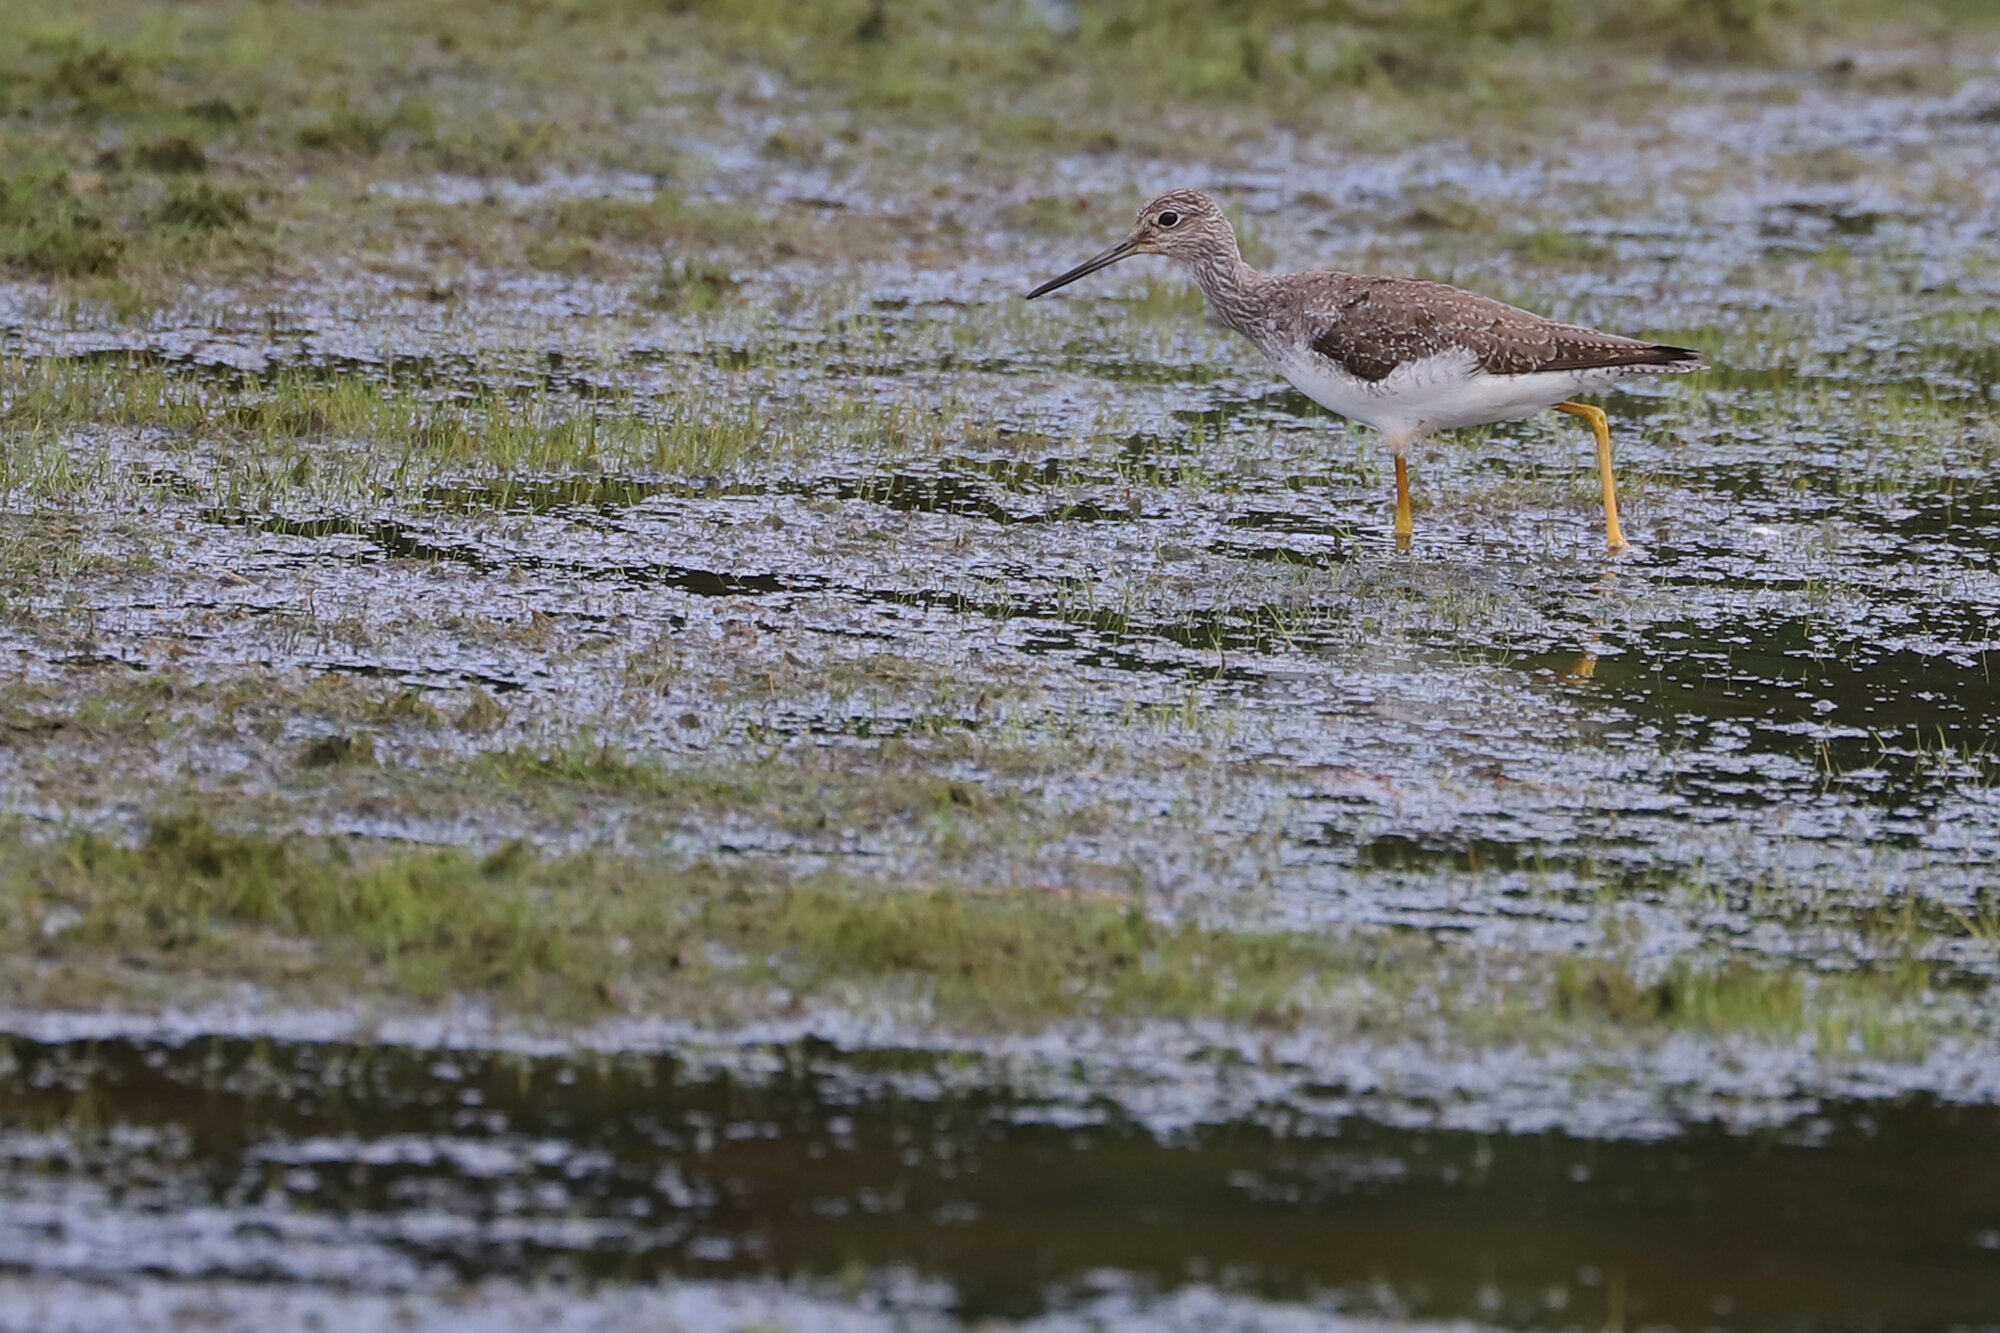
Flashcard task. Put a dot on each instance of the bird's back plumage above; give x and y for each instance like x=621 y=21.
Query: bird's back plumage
x=1410 y=356
x=1370 y=325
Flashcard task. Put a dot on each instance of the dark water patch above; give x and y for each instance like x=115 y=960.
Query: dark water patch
x=1281 y=405
x=1789 y=670
x=722 y=583
x=944 y=493
x=1092 y=361
x=962 y=487
x=1115 y=640
x=428 y=678
x=401 y=370
x=1024 y=474
x=440 y=375
x=1559 y=870
x=1396 y=851
x=99 y=660
x=1824 y=217
x=607 y=494
x=1966 y=517
x=395 y=541
x=1278 y=520
x=558 y=495
x=1888 y=726
x=1283 y=555
x=398 y=541
x=1814 y=484
x=393 y=1166
x=1144 y=459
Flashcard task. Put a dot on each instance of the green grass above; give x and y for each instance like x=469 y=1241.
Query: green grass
x=574 y=935
x=1129 y=61
x=584 y=235
x=1868 y=1007
x=260 y=95
x=48 y=229
x=793 y=797
x=1738 y=997
x=1548 y=245
x=692 y=286
x=290 y=435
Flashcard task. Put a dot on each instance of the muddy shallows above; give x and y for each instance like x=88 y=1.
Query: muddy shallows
x=926 y=1181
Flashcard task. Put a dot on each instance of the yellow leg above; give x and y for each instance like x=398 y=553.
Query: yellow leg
x=1403 y=525
x=1601 y=427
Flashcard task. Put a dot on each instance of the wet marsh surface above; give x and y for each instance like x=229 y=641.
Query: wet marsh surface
x=1495 y=932
x=258 y=1168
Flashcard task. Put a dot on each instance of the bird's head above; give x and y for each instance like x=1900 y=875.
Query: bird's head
x=1182 y=224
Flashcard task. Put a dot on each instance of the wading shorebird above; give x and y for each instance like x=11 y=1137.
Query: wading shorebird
x=1401 y=355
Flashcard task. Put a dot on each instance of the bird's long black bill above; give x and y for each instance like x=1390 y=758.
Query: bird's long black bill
x=1087 y=267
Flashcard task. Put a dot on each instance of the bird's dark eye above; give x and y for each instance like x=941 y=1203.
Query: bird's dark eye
x=1169 y=219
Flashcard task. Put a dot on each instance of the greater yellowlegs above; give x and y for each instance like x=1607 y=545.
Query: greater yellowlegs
x=1401 y=355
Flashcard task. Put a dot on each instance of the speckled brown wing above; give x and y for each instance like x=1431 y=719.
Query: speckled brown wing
x=1371 y=325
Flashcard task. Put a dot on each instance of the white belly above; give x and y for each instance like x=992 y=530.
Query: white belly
x=1440 y=392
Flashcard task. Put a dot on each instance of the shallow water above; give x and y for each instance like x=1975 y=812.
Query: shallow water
x=368 y=1170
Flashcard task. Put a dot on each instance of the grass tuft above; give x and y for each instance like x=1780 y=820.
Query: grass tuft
x=175 y=155
x=692 y=286
x=47 y=228
x=577 y=931
x=332 y=751
x=1735 y=997
x=203 y=208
